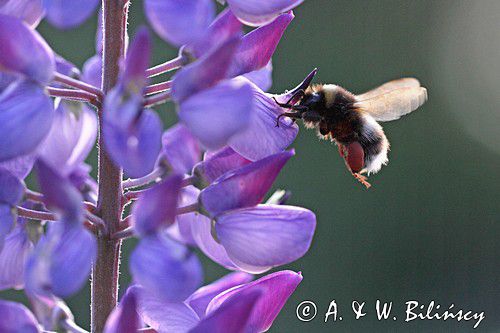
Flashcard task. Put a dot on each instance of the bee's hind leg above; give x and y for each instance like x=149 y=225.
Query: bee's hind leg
x=362 y=179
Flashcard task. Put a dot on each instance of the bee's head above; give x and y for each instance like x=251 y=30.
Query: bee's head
x=310 y=99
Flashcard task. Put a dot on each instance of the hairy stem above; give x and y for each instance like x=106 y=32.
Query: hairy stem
x=70 y=82
x=157 y=99
x=158 y=87
x=106 y=270
x=74 y=95
x=166 y=66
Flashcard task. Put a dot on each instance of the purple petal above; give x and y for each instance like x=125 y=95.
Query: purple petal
x=165 y=268
x=260 y=12
x=243 y=187
x=181 y=230
x=204 y=73
x=59 y=194
x=25 y=119
x=24 y=51
x=203 y=236
x=262 y=78
x=71 y=138
x=13 y=258
x=11 y=188
x=124 y=318
x=17 y=318
x=232 y=316
x=179 y=22
x=19 y=166
x=6 y=80
x=224 y=27
x=292 y=96
x=135 y=145
x=134 y=76
x=165 y=317
x=92 y=71
x=61 y=261
x=219 y=163
x=157 y=206
x=275 y=288
x=67 y=14
x=65 y=67
x=7 y=220
x=180 y=148
x=30 y=11
x=266 y=235
x=202 y=297
x=216 y=114
x=258 y=46
x=262 y=138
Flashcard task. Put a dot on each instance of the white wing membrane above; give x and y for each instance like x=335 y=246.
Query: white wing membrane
x=407 y=82
x=394 y=104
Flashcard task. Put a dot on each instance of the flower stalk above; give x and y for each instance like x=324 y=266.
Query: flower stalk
x=105 y=272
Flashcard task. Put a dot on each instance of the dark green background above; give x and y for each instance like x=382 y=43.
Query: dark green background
x=429 y=227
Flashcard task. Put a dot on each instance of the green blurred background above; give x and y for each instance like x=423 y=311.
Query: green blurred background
x=429 y=227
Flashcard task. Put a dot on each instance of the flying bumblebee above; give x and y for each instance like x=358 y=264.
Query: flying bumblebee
x=351 y=120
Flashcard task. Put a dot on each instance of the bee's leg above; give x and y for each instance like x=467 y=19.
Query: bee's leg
x=293 y=115
x=362 y=179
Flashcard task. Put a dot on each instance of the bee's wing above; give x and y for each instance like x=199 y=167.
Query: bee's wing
x=407 y=82
x=394 y=104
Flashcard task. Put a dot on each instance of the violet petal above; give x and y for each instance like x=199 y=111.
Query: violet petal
x=13 y=258
x=61 y=261
x=258 y=46
x=17 y=318
x=67 y=14
x=19 y=166
x=276 y=288
x=124 y=318
x=24 y=51
x=181 y=230
x=218 y=163
x=30 y=11
x=243 y=187
x=216 y=114
x=266 y=235
x=180 y=148
x=71 y=138
x=262 y=78
x=165 y=268
x=205 y=72
x=165 y=317
x=92 y=71
x=59 y=194
x=179 y=22
x=11 y=188
x=200 y=299
x=234 y=315
x=262 y=138
x=25 y=119
x=260 y=12
x=157 y=206
x=224 y=27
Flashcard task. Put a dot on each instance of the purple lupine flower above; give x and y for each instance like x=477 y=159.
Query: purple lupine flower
x=62 y=259
x=230 y=304
x=181 y=229
x=25 y=119
x=244 y=187
x=165 y=268
x=66 y=14
x=30 y=11
x=218 y=163
x=24 y=52
x=132 y=134
x=13 y=257
x=11 y=192
x=17 y=318
x=180 y=22
x=124 y=318
x=19 y=166
x=262 y=138
x=180 y=148
x=71 y=138
x=260 y=12
x=262 y=78
x=156 y=207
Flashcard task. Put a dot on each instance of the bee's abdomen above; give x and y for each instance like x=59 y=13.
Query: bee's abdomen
x=375 y=145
